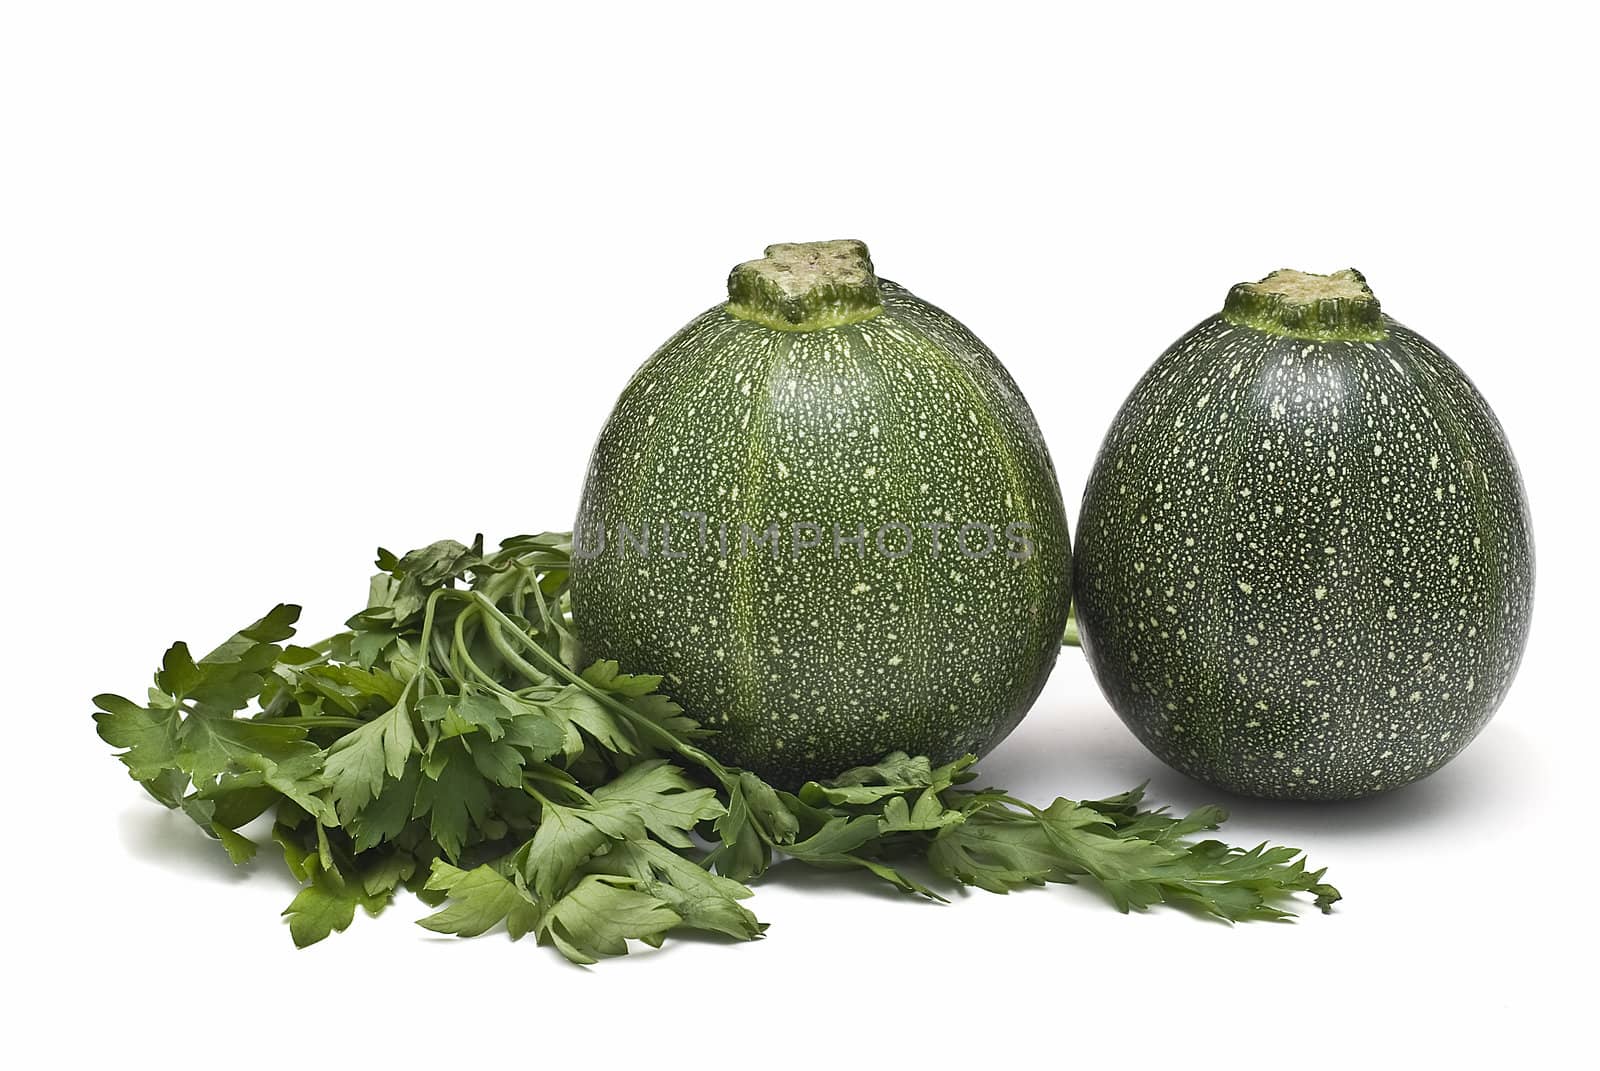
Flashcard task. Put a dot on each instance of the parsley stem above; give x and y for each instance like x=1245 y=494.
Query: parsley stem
x=424 y=648
x=443 y=653
x=548 y=775
x=548 y=621
x=312 y=721
x=463 y=652
x=1070 y=637
x=639 y=721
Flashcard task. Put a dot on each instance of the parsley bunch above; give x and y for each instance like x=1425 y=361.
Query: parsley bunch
x=449 y=741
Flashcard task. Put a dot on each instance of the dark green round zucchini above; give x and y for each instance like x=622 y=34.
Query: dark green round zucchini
x=1304 y=565
x=853 y=538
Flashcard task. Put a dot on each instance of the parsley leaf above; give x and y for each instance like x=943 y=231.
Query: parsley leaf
x=356 y=763
x=480 y=899
x=599 y=916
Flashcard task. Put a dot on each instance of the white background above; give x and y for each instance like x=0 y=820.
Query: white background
x=280 y=283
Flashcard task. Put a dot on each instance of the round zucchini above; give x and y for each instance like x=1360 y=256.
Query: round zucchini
x=825 y=513
x=1305 y=566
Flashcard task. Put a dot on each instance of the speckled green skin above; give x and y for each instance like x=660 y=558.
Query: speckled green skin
x=1304 y=568
x=811 y=664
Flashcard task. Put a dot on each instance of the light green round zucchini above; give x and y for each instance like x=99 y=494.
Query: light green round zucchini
x=811 y=469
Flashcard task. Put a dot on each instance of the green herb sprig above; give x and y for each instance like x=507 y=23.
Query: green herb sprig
x=449 y=742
